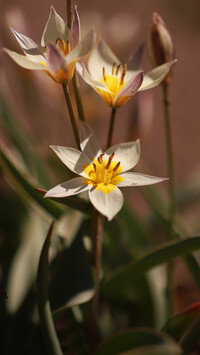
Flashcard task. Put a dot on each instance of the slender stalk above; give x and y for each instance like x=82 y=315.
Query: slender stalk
x=96 y=258
x=169 y=155
x=79 y=103
x=71 y=115
x=170 y=266
x=69 y=13
x=111 y=127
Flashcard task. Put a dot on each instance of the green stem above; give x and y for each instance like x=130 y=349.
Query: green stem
x=169 y=155
x=111 y=127
x=69 y=14
x=71 y=115
x=170 y=266
x=96 y=258
x=77 y=94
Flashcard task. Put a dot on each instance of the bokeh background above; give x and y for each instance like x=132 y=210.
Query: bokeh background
x=39 y=103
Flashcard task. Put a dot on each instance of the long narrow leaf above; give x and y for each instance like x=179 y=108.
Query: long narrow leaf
x=160 y=255
x=22 y=184
x=51 y=341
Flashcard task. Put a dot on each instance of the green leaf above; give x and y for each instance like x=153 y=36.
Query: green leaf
x=134 y=339
x=26 y=189
x=161 y=254
x=46 y=321
x=74 y=202
x=16 y=132
x=172 y=349
x=177 y=325
x=71 y=275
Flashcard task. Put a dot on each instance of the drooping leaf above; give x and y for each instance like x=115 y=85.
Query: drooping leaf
x=161 y=254
x=177 y=325
x=137 y=339
x=26 y=189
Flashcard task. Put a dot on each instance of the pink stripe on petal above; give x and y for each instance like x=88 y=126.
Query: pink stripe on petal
x=131 y=87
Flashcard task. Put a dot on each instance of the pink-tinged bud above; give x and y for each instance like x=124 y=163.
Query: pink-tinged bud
x=160 y=44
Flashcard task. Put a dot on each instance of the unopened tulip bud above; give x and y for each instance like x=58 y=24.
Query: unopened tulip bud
x=160 y=44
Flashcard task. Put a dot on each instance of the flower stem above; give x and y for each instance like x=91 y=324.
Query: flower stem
x=170 y=266
x=69 y=13
x=169 y=155
x=77 y=94
x=111 y=127
x=96 y=258
x=71 y=115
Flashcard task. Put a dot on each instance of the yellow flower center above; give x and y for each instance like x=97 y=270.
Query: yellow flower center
x=62 y=76
x=115 y=83
x=103 y=174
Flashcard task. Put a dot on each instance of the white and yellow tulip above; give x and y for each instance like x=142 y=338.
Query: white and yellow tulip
x=101 y=174
x=59 y=51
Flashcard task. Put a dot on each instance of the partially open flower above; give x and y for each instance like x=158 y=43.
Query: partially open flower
x=115 y=82
x=59 y=51
x=101 y=174
x=160 y=44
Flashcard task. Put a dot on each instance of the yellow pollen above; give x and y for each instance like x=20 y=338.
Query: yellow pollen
x=102 y=174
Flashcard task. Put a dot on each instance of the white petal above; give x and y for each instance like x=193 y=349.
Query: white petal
x=108 y=204
x=76 y=28
x=55 y=28
x=72 y=158
x=24 y=61
x=88 y=78
x=131 y=87
x=83 y=47
x=137 y=179
x=127 y=153
x=156 y=76
x=29 y=47
x=101 y=57
x=68 y=188
x=89 y=144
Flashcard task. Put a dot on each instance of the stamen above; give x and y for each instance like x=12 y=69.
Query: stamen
x=100 y=158
x=109 y=161
x=113 y=68
x=117 y=70
x=95 y=168
x=60 y=43
x=104 y=74
x=116 y=166
x=67 y=50
x=123 y=74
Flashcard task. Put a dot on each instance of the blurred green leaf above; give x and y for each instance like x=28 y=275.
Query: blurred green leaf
x=74 y=202
x=158 y=202
x=51 y=341
x=172 y=349
x=136 y=338
x=70 y=274
x=27 y=190
x=16 y=132
x=177 y=325
x=156 y=257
